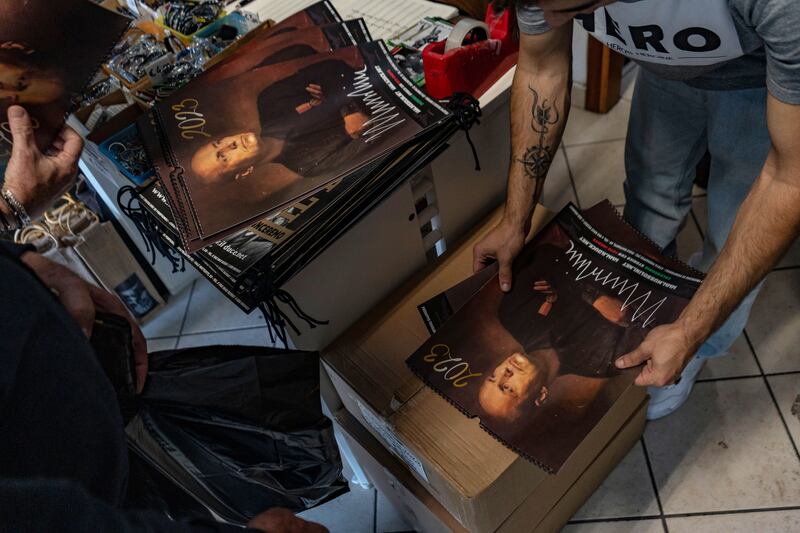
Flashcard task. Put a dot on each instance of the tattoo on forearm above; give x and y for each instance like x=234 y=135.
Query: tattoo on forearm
x=537 y=159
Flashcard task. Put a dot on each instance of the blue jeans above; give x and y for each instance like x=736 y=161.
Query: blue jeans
x=671 y=127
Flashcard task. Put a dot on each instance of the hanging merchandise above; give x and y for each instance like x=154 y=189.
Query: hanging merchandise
x=190 y=16
x=126 y=151
x=131 y=58
x=58 y=230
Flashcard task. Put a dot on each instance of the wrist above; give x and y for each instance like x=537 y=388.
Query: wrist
x=515 y=221
x=14 y=207
x=695 y=332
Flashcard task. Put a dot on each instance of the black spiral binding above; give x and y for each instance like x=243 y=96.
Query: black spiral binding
x=176 y=171
x=277 y=320
x=148 y=228
x=466 y=112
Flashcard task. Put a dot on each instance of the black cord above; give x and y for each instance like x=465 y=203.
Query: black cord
x=466 y=112
x=148 y=228
x=277 y=320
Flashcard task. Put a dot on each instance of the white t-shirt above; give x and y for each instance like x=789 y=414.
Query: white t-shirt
x=710 y=44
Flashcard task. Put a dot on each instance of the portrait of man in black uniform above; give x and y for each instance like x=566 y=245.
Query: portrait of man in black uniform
x=592 y=331
x=306 y=124
x=536 y=365
x=270 y=128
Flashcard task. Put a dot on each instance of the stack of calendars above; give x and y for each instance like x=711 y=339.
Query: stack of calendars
x=270 y=155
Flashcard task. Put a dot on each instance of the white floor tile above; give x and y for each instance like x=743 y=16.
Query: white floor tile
x=700 y=210
x=598 y=171
x=792 y=257
x=632 y=526
x=766 y=522
x=787 y=393
x=628 y=491
x=774 y=325
x=241 y=337
x=167 y=323
x=738 y=362
x=558 y=186
x=157 y=345
x=725 y=449
x=587 y=127
x=353 y=512
x=627 y=93
x=210 y=310
x=689 y=240
x=698 y=191
x=388 y=519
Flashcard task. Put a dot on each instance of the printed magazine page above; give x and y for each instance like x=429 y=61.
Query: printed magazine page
x=536 y=365
x=232 y=152
x=49 y=52
x=277 y=47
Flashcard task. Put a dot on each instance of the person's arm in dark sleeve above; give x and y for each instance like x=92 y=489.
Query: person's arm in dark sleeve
x=13 y=249
x=47 y=505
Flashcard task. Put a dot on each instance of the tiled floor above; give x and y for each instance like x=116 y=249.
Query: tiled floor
x=727 y=461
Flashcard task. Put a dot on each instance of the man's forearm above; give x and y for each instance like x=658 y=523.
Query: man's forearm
x=539 y=110
x=767 y=223
x=540 y=99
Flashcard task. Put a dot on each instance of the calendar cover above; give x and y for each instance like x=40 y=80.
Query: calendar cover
x=49 y=52
x=536 y=365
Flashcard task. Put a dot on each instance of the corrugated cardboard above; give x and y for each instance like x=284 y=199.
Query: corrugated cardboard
x=390 y=476
x=423 y=513
x=478 y=480
x=580 y=491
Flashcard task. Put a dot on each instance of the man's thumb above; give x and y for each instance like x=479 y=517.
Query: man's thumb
x=505 y=275
x=19 y=122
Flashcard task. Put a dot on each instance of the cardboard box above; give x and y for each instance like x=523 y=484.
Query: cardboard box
x=424 y=513
x=475 y=478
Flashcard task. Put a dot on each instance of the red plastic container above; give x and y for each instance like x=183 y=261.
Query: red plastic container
x=466 y=68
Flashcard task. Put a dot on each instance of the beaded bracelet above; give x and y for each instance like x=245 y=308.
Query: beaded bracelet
x=16 y=208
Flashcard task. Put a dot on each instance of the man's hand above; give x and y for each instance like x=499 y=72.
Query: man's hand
x=666 y=351
x=502 y=244
x=279 y=520
x=544 y=287
x=611 y=309
x=539 y=108
x=37 y=179
x=82 y=300
x=315 y=91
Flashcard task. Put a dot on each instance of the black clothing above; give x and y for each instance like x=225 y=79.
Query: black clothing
x=295 y=51
x=315 y=140
x=586 y=343
x=63 y=455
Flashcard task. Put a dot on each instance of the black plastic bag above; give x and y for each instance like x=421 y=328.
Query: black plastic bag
x=230 y=431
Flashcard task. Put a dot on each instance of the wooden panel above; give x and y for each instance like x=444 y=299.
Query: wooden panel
x=603 y=77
